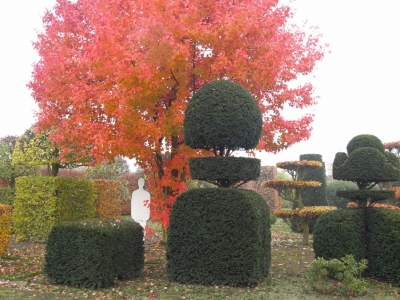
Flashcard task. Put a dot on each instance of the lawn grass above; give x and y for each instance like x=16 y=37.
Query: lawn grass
x=21 y=271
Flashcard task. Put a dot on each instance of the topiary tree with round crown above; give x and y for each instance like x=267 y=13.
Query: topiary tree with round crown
x=220 y=235
x=367 y=164
x=367 y=232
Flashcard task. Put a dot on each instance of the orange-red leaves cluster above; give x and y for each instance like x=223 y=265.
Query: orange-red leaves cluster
x=392 y=145
x=115 y=76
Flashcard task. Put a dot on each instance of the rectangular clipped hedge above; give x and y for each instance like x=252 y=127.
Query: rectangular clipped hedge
x=94 y=253
x=107 y=201
x=42 y=202
x=5 y=227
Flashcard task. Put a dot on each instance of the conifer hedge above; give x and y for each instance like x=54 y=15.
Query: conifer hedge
x=42 y=202
x=94 y=253
x=219 y=236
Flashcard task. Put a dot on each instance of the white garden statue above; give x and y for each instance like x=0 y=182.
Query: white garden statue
x=140 y=204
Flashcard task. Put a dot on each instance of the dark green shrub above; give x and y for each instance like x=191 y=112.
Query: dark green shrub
x=333 y=186
x=224 y=171
x=341 y=232
x=219 y=236
x=315 y=196
x=364 y=140
x=42 y=202
x=94 y=253
x=367 y=165
x=221 y=116
x=383 y=245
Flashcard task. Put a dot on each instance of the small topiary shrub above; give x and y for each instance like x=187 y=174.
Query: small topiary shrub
x=383 y=242
x=5 y=227
x=339 y=233
x=219 y=236
x=94 y=253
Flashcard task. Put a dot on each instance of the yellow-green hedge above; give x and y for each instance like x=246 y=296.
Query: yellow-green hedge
x=5 y=227
x=42 y=202
x=107 y=202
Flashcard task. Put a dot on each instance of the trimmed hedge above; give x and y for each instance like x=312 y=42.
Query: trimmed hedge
x=222 y=115
x=94 y=253
x=107 y=200
x=219 y=236
x=224 y=171
x=383 y=245
x=42 y=202
x=338 y=233
x=5 y=227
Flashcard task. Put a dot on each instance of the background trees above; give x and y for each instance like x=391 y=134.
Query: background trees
x=36 y=149
x=114 y=77
x=9 y=172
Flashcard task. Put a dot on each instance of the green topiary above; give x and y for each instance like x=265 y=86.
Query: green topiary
x=222 y=116
x=219 y=236
x=94 y=253
x=366 y=165
x=364 y=140
x=339 y=233
x=224 y=171
x=312 y=197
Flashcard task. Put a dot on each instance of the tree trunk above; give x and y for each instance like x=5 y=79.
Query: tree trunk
x=54 y=169
x=390 y=201
x=306 y=231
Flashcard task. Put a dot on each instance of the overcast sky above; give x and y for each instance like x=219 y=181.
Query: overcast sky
x=358 y=82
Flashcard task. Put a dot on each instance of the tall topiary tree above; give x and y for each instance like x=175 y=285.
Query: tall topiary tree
x=315 y=196
x=220 y=235
x=291 y=189
x=372 y=233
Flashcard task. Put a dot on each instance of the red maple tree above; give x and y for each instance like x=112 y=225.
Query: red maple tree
x=114 y=77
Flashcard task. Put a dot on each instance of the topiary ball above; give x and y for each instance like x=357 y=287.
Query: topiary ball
x=364 y=140
x=222 y=115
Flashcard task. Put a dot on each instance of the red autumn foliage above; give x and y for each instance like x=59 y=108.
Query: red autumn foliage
x=115 y=76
